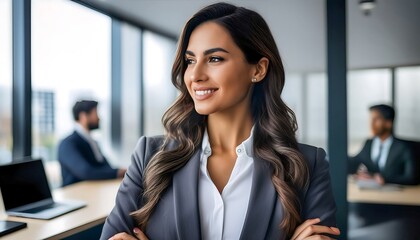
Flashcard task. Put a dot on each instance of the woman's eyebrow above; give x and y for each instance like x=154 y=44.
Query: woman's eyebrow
x=189 y=53
x=213 y=50
x=207 y=52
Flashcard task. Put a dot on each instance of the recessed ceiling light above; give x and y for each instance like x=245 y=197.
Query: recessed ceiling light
x=366 y=6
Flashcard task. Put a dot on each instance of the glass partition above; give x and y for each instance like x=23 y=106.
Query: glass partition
x=5 y=81
x=407 y=102
x=159 y=93
x=365 y=88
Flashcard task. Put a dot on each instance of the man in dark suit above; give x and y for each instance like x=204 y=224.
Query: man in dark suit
x=384 y=158
x=79 y=155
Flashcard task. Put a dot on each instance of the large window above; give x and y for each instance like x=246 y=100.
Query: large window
x=407 y=102
x=130 y=85
x=292 y=95
x=306 y=95
x=316 y=107
x=365 y=88
x=5 y=80
x=159 y=93
x=71 y=51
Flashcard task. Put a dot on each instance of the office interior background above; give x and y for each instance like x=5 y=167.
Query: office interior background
x=120 y=53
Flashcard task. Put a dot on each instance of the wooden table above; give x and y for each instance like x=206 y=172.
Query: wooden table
x=408 y=195
x=99 y=197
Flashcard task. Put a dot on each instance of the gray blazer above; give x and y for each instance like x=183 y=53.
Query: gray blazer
x=176 y=216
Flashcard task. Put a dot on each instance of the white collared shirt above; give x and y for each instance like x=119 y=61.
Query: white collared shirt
x=222 y=216
x=386 y=146
x=92 y=143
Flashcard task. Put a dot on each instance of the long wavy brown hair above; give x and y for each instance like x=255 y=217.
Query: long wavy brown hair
x=274 y=122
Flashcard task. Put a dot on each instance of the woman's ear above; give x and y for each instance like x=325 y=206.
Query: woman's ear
x=261 y=69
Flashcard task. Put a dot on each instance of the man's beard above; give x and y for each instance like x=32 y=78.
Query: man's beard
x=383 y=131
x=93 y=126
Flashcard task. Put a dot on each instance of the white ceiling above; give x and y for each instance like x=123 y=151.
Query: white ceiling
x=390 y=36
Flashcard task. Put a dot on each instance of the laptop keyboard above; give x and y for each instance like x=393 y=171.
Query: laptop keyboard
x=40 y=209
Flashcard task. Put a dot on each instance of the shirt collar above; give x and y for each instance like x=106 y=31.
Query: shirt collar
x=247 y=144
x=388 y=141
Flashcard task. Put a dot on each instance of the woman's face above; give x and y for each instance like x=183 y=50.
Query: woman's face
x=218 y=77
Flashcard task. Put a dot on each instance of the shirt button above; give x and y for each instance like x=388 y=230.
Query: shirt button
x=238 y=150
x=206 y=151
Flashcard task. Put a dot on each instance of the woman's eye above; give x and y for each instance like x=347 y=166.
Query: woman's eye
x=189 y=61
x=215 y=59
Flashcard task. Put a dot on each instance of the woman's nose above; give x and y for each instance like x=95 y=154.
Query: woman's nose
x=198 y=73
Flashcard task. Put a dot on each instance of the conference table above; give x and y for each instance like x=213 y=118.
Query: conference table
x=99 y=197
x=388 y=194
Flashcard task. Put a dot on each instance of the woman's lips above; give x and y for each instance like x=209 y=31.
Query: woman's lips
x=203 y=94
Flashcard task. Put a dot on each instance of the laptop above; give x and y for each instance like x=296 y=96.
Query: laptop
x=7 y=227
x=26 y=192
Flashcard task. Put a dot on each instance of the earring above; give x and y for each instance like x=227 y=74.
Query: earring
x=254 y=80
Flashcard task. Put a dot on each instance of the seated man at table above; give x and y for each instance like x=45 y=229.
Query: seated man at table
x=79 y=155
x=384 y=158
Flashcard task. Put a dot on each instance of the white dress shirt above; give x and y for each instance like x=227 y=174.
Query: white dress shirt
x=222 y=216
x=92 y=143
x=376 y=146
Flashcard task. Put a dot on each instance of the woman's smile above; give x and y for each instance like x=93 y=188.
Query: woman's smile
x=204 y=93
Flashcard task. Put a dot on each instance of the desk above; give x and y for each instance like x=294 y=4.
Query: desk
x=408 y=195
x=99 y=197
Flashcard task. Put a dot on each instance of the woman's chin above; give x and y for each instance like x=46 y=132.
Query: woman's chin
x=203 y=110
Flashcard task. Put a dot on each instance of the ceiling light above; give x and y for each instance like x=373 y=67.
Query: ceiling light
x=366 y=6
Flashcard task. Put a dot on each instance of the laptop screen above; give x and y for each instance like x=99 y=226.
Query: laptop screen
x=23 y=183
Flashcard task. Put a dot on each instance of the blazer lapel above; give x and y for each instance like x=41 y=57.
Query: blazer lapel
x=185 y=187
x=261 y=203
x=392 y=155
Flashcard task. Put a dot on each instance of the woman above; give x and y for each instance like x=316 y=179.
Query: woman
x=229 y=165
